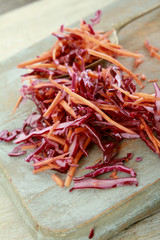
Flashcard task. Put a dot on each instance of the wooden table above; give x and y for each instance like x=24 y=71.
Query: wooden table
x=19 y=29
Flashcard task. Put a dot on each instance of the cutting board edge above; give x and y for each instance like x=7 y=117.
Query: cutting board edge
x=40 y=232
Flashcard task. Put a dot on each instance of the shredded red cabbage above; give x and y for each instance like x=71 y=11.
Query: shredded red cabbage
x=91 y=234
x=67 y=127
x=104 y=183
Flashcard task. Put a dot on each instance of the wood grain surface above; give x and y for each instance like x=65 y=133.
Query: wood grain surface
x=154 y=232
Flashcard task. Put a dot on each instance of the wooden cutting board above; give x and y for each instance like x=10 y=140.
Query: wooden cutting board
x=54 y=213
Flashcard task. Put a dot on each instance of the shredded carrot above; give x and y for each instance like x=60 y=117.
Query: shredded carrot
x=17 y=104
x=152 y=49
x=55 y=119
x=125 y=92
x=150 y=135
x=66 y=147
x=75 y=161
x=113 y=174
x=53 y=105
x=68 y=109
x=30 y=78
x=107 y=107
x=138 y=101
x=146 y=96
x=137 y=62
x=42 y=65
x=157 y=141
x=58 y=104
x=92 y=74
x=49 y=160
x=43 y=57
x=88 y=103
x=43 y=84
x=80 y=129
x=115 y=45
x=39 y=95
x=31 y=146
x=149 y=46
x=105 y=44
x=57 y=180
x=116 y=62
x=77 y=101
x=55 y=48
x=47 y=123
x=154 y=140
x=143 y=77
x=155 y=54
x=107 y=34
x=153 y=80
x=48 y=101
x=55 y=138
x=43 y=168
x=53 y=127
x=55 y=83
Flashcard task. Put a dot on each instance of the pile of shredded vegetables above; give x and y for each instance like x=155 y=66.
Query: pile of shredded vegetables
x=98 y=106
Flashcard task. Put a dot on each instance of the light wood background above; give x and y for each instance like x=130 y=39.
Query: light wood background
x=20 y=28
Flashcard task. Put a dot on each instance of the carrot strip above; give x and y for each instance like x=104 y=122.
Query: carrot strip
x=53 y=127
x=154 y=139
x=137 y=62
x=49 y=160
x=57 y=180
x=75 y=161
x=31 y=146
x=55 y=48
x=55 y=119
x=68 y=109
x=107 y=107
x=152 y=50
x=66 y=147
x=43 y=57
x=53 y=105
x=77 y=101
x=114 y=174
x=150 y=135
x=155 y=54
x=88 y=103
x=42 y=65
x=30 y=78
x=157 y=141
x=92 y=74
x=122 y=52
x=138 y=101
x=107 y=34
x=116 y=62
x=62 y=68
x=17 y=104
x=43 y=84
x=49 y=92
x=153 y=80
x=114 y=45
x=80 y=129
x=50 y=166
x=149 y=46
x=125 y=92
x=55 y=138
x=147 y=96
x=143 y=77
x=57 y=85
